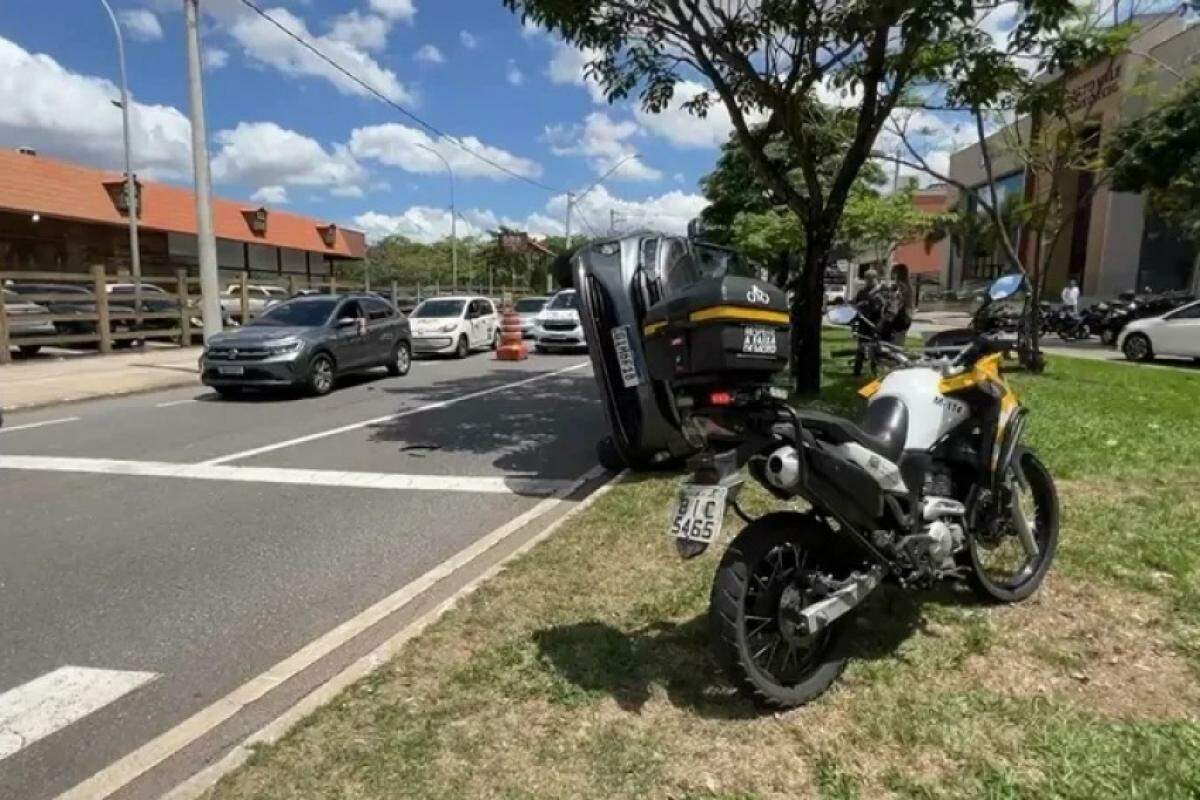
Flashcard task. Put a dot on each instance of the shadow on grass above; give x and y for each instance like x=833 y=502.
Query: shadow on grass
x=599 y=657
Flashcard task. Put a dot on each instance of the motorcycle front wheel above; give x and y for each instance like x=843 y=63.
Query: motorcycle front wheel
x=758 y=651
x=1011 y=556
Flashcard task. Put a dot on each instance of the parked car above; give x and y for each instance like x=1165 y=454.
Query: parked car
x=455 y=325
x=308 y=342
x=155 y=300
x=527 y=309
x=558 y=324
x=405 y=302
x=78 y=301
x=22 y=321
x=1175 y=333
x=258 y=299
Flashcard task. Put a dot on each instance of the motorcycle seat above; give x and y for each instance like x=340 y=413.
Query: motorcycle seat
x=883 y=429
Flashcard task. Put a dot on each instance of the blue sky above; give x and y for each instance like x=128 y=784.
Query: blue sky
x=286 y=131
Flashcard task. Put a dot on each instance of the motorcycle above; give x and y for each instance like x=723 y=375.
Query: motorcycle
x=934 y=484
x=1069 y=325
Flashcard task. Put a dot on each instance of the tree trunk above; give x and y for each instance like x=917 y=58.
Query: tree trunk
x=807 y=295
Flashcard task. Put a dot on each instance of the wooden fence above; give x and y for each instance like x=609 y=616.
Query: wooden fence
x=116 y=323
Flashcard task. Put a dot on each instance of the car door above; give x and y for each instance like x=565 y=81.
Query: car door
x=350 y=341
x=382 y=329
x=475 y=323
x=1179 y=333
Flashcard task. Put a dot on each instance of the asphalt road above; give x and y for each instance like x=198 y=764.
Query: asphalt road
x=172 y=546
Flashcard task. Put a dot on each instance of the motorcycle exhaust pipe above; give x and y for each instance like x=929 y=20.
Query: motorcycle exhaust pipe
x=784 y=469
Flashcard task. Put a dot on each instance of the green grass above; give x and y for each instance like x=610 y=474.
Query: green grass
x=583 y=670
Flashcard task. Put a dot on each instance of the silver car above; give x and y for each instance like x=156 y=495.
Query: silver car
x=527 y=309
x=26 y=319
x=307 y=343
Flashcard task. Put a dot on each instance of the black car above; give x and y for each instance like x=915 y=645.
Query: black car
x=307 y=342
x=78 y=301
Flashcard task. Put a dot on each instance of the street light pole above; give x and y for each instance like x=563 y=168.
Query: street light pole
x=206 y=241
x=131 y=204
x=453 y=214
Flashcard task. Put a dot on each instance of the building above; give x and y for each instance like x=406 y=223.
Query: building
x=1113 y=243
x=56 y=216
x=926 y=261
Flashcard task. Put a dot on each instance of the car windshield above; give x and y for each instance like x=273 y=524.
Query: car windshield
x=531 y=304
x=298 y=313
x=564 y=300
x=439 y=308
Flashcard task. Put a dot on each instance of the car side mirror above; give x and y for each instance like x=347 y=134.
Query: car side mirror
x=346 y=322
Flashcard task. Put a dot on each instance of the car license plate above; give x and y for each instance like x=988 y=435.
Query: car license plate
x=759 y=340
x=698 y=513
x=629 y=373
x=231 y=370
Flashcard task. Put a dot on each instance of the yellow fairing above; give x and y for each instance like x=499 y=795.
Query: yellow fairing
x=985 y=371
x=728 y=314
x=870 y=389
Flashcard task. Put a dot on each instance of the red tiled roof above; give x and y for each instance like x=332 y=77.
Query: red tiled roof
x=59 y=189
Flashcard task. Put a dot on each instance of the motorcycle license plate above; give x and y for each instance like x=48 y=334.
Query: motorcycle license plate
x=629 y=374
x=698 y=513
x=760 y=341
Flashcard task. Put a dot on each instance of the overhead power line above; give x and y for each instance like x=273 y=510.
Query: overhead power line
x=307 y=45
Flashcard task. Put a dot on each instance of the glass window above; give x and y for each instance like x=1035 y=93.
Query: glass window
x=530 y=304
x=1187 y=312
x=302 y=313
x=439 y=308
x=564 y=300
x=377 y=309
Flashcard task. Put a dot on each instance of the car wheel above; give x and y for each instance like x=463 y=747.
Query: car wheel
x=463 y=349
x=28 y=350
x=1137 y=347
x=496 y=339
x=320 y=375
x=401 y=361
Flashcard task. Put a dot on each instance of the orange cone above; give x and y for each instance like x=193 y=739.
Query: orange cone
x=512 y=343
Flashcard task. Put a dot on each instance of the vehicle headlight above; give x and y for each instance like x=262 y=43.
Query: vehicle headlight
x=285 y=347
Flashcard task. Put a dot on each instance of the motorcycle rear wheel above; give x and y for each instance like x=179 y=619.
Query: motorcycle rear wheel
x=989 y=556
x=767 y=666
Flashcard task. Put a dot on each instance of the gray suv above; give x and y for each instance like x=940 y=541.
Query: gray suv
x=307 y=342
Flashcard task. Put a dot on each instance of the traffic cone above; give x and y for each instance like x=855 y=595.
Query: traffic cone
x=512 y=343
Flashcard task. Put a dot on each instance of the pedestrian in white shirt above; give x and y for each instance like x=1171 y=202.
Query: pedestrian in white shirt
x=1070 y=296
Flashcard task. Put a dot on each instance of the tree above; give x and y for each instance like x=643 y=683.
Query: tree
x=882 y=222
x=769 y=61
x=1160 y=154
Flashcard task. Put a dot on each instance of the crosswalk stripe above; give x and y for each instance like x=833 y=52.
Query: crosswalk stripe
x=486 y=484
x=36 y=709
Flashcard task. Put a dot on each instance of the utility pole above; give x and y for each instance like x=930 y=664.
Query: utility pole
x=206 y=240
x=570 y=208
x=131 y=203
x=453 y=215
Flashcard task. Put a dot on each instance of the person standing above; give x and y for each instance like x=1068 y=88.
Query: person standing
x=898 y=312
x=869 y=301
x=1070 y=296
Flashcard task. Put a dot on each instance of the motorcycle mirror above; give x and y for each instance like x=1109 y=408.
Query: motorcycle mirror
x=1006 y=286
x=842 y=314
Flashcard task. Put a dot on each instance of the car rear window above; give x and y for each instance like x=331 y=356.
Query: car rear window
x=439 y=308
x=531 y=304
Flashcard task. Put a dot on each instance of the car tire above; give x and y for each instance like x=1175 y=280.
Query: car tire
x=463 y=348
x=1136 y=347
x=537 y=348
x=321 y=374
x=401 y=360
x=496 y=340
x=29 y=350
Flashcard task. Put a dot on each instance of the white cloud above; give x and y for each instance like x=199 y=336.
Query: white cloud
x=399 y=10
x=430 y=55
x=401 y=146
x=530 y=29
x=604 y=142
x=513 y=74
x=668 y=213
x=140 y=24
x=214 y=57
x=568 y=65
x=347 y=191
x=468 y=39
x=268 y=45
x=270 y=194
x=71 y=115
x=367 y=31
x=265 y=154
x=684 y=129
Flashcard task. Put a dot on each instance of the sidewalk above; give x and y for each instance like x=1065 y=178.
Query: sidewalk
x=48 y=381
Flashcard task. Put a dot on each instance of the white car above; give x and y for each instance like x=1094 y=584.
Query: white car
x=455 y=325
x=558 y=326
x=1175 y=333
x=258 y=299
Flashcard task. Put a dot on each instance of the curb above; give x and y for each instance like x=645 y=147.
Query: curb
x=183 y=380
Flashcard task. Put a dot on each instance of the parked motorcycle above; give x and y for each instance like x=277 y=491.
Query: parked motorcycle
x=1067 y=323
x=934 y=484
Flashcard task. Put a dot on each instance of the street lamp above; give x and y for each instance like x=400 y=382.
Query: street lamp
x=453 y=214
x=131 y=204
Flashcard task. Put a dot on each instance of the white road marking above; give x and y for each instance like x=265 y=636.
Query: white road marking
x=36 y=709
x=486 y=484
x=388 y=418
x=120 y=773
x=42 y=424
x=199 y=783
x=175 y=403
